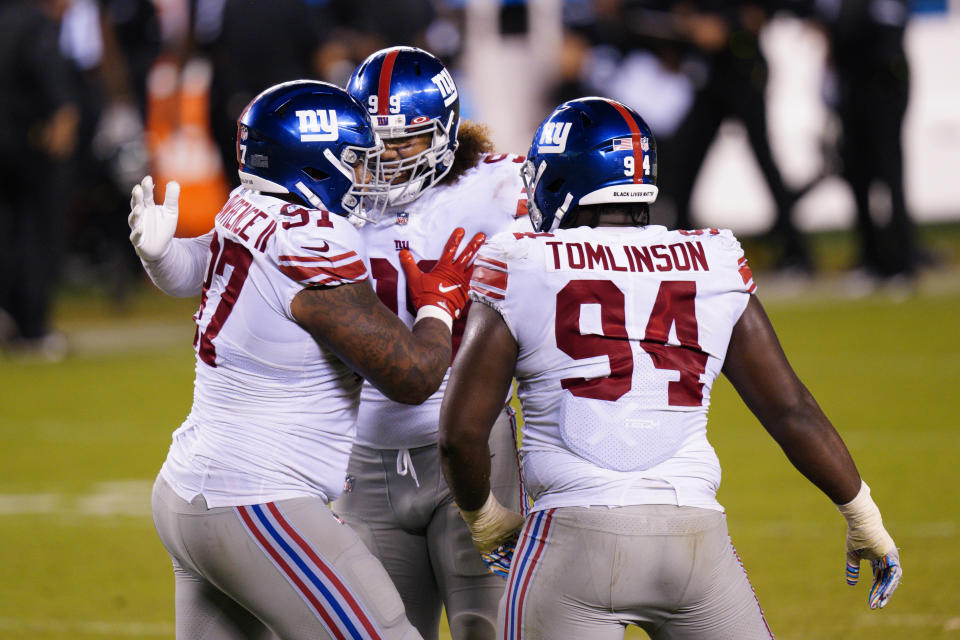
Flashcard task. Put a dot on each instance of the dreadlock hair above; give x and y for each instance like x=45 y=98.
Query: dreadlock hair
x=474 y=139
x=635 y=214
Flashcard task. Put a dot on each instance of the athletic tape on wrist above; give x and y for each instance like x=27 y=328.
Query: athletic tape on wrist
x=865 y=522
x=860 y=504
x=490 y=523
x=433 y=311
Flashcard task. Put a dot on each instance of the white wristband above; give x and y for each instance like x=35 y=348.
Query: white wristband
x=433 y=311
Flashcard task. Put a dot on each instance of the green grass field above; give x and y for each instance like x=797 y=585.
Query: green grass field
x=83 y=439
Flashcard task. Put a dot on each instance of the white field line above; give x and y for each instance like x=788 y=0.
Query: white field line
x=809 y=528
x=832 y=287
x=132 y=498
x=95 y=628
x=118 y=338
x=126 y=498
x=890 y=620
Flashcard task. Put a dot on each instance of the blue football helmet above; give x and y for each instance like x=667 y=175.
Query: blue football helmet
x=408 y=92
x=312 y=139
x=588 y=151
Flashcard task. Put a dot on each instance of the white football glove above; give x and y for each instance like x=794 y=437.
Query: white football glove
x=868 y=540
x=152 y=226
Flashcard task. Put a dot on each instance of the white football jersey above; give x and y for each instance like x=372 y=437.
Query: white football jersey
x=273 y=413
x=489 y=198
x=621 y=333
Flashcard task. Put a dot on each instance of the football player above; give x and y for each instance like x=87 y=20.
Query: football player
x=287 y=327
x=615 y=330
x=443 y=175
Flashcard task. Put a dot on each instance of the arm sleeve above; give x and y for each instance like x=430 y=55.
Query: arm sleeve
x=179 y=272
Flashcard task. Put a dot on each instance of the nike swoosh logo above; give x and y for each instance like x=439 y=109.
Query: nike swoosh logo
x=444 y=289
x=321 y=249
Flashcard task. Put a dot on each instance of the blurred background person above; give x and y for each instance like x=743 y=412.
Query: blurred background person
x=868 y=85
x=254 y=44
x=687 y=67
x=705 y=65
x=725 y=36
x=111 y=46
x=39 y=117
x=621 y=49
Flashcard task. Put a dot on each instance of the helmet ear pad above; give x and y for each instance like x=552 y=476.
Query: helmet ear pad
x=588 y=151
x=313 y=140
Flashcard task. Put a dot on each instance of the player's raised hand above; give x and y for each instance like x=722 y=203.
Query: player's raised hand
x=445 y=286
x=152 y=226
x=868 y=540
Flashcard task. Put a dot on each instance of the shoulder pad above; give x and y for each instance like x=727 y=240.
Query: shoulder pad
x=317 y=248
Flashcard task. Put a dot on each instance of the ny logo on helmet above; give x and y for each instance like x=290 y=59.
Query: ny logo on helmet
x=553 y=138
x=318 y=125
x=448 y=89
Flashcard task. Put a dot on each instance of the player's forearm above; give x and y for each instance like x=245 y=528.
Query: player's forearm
x=815 y=448
x=465 y=462
x=406 y=366
x=758 y=369
x=180 y=270
x=471 y=404
x=424 y=355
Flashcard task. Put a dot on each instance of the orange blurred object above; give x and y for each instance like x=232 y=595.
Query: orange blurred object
x=178 y=134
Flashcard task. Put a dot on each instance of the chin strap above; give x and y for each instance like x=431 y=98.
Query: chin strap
x=561 y=212
x=311 y=197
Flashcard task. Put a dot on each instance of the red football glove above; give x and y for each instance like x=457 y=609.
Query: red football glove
x=446 y=285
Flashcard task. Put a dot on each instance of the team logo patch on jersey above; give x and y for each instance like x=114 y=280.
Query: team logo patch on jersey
x=318 y=125
x=403 y=217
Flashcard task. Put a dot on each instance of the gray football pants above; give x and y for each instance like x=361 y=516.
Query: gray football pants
x=287 y=569
x=414 y=529
x=587 y=572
